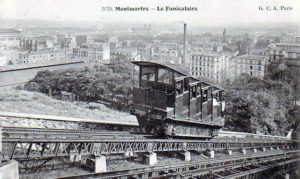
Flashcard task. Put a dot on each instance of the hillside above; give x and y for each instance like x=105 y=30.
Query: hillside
x=37 y=103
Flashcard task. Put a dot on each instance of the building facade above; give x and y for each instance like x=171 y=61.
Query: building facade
x=209 y=66
x=41 y=56
x=253 y=65
x=10 y=37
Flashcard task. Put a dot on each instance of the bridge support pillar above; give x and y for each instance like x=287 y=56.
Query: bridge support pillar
x=278 y=148
x=75 y=157
x=254 y=150
x=128 y=154
x=286 y=176
x=186 y=155
x=151 y=159
x=243 y=151
x=228 y=151
x=271 y=148
x=263 y=149
x=9 y=170
x=209 y=153
x=98 y=164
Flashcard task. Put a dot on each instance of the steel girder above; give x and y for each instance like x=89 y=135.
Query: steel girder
x=41 y=148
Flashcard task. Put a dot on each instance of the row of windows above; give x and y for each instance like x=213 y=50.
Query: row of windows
x=254 y=62
x=204 y=74
x=205 y=58
x=249 y=67
x=251 y=73
x=206 y=64
x=208 y=58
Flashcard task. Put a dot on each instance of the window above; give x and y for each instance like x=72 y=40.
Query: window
x=198 y=90
x=205 y=95
x=194 y=91
x=148 y=73
x=179 y=87
x=165 y=76
x=186 y=84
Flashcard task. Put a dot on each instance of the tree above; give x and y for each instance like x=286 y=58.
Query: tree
x=262 y=106
x=89 y=83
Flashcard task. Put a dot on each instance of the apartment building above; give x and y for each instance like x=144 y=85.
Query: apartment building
x=210 y=66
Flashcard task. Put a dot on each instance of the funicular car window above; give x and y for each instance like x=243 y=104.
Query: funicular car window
x=217 y=96
x=194 y=91
x=205 y=94
x=198 y=90
x=148 y=73
x=186 y=84
x=179 y=87
x=165 y=76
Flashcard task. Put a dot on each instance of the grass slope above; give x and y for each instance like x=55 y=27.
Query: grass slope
x=37 y=103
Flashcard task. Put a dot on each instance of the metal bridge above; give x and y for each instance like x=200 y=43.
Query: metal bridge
x=43 y=143
x=31 y=143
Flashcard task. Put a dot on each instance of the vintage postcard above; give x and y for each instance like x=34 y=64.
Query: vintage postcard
x=149 y=89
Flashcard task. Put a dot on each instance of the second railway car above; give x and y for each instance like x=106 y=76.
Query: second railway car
x=168 y=102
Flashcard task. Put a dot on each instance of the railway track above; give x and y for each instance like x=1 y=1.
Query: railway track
x=17 y=132
x=37 y=143
x=235 y=167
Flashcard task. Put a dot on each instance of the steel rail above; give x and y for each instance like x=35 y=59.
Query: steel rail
x=31 y=133
x=178 y=169
x=257 y=161
x=53 y=131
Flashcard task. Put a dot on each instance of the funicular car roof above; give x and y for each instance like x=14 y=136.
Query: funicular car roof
x=175 y=68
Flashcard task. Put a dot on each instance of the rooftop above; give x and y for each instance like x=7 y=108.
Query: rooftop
x=287 y=44
x=293 y=50
x=251 y=57
x=5 y=31
x=210 y=54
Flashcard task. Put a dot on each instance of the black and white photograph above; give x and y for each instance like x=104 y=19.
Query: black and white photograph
x=125 y=89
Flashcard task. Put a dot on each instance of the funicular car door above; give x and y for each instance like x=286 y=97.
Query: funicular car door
x=182 y=97
x=195 y=101
x=206 y=103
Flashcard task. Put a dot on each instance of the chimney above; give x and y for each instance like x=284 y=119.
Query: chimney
x=184 y=43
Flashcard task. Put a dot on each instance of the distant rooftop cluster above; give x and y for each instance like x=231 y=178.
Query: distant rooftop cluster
x=217 y=57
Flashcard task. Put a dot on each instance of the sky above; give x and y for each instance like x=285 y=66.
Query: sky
x=213 y=12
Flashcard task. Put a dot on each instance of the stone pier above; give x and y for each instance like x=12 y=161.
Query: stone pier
x=74 y=157
x=128 y=154
x=98 y=164
x=151 y=159
x=186 y=155
x=9 y=170
x=228 y=151
x=243 y=151
x=209 y=153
